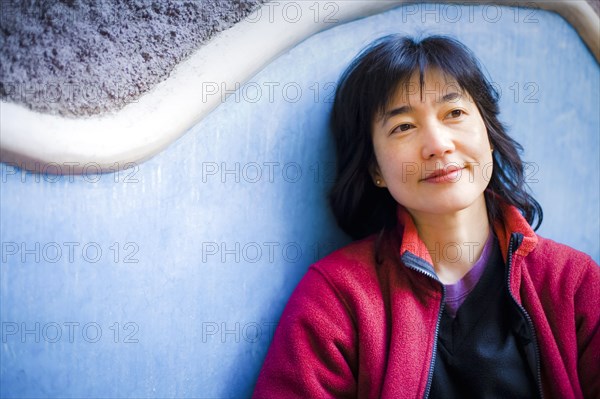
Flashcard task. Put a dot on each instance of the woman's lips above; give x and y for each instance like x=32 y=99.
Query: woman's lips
x=449 y=174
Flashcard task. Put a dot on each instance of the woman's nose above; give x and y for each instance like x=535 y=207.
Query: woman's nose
x=437 y=140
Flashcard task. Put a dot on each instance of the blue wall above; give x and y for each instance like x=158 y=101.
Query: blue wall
x=202 y=245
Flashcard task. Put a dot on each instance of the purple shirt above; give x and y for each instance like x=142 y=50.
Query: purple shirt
x=457 y=293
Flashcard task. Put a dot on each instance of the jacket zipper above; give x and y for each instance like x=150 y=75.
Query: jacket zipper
x=435 y=339
x=517 y=237
x=437 y=325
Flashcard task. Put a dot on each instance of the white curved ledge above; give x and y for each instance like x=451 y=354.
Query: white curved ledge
x=54 y=144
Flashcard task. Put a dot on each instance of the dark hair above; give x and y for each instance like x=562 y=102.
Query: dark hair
x=365 y=89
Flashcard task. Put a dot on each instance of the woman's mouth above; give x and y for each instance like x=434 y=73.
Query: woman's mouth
x=449 y=174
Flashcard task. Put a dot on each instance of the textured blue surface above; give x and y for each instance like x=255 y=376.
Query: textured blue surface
x=200 y=265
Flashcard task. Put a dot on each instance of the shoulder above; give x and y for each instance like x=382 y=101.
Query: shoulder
x=556 y=263
x=355 y=261
x=334 y=287
x=550 y=252
x=359 y=253
x=352 y=272
x=561 y=253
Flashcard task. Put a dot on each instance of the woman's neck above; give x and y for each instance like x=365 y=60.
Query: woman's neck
x=455 y=241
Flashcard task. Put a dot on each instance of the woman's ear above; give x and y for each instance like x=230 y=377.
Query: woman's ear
x=376 y=175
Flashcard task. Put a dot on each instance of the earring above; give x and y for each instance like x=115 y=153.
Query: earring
x=491 y=150
x=377 y=182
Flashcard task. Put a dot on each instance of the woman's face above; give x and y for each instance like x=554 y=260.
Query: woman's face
x=432 y=148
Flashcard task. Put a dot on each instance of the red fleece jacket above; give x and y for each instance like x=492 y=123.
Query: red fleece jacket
x=353 y=329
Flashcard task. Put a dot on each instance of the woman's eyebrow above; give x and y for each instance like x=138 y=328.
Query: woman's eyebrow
x=396 y=111
x=447 y=98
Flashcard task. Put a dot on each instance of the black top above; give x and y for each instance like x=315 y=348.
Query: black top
x=481 y=352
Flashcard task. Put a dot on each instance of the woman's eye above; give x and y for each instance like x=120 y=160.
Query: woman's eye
x=402 y=128
x=456 y=113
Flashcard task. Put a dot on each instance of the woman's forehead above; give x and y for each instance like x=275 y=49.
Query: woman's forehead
x=435 y=87
x=433 y=82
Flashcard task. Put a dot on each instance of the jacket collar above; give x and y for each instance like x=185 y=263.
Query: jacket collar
x=511 y=222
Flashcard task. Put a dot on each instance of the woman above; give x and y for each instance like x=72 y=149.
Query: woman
x=448 y=292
